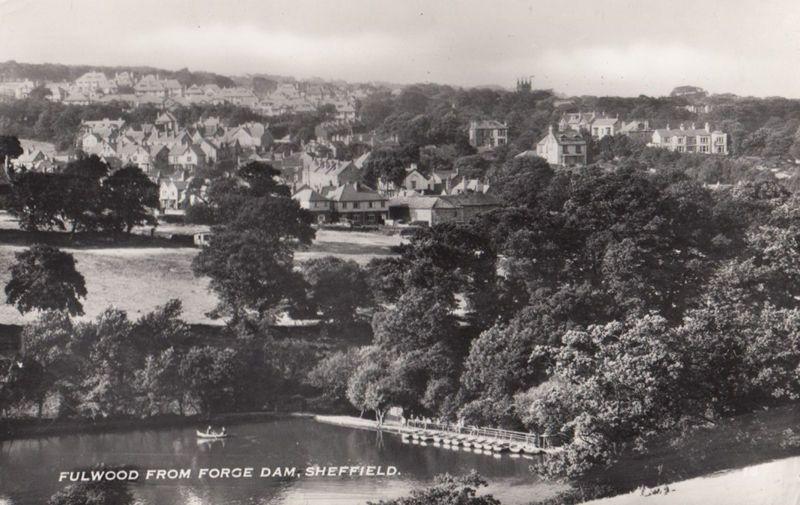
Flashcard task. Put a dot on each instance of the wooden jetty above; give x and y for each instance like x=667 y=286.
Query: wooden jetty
x=454 y=436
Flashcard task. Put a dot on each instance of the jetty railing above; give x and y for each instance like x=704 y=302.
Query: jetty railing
x=499 y=434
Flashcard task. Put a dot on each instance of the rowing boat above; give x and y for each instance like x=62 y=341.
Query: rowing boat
x=210 y=436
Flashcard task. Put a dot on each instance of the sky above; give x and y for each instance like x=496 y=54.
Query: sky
x=609 y=47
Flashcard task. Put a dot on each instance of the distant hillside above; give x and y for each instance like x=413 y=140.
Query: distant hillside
x=58 y=72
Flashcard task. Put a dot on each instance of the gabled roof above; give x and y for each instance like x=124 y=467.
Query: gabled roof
x=306 y=194
x=569 y=137
x=166 y=117
x=605 y=121
x=421 y=202
x=354 y=192
x=472 y=200
x=487 y=124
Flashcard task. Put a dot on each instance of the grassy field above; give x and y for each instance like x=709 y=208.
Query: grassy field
x=138 y=279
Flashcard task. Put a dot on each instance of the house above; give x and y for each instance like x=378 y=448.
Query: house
x=136 y=155
x=314 y=202
x=358 y=204
x=605 y=126
x=691 y=140
x=488 y=133
x=76 y=98
x=345 y=112
x=103 y=127
x=95 y=82
x=17 y=89
x=576 y=121
x=318 y=173
x=36 y=160
x=187 y=157
x=92 y=143
x=467 y=186
x=151 y=85
x=123 y=79
x=436 y=209
x=565 y=148
x=415 y=181
x=428 y=209
x=470 y=205
x=638 y=129
x=167 y=123
x=172 y=193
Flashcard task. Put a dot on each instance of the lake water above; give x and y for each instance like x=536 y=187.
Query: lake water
x=29 y=469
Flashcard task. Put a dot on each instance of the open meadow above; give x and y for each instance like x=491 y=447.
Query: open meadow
x=138 y=279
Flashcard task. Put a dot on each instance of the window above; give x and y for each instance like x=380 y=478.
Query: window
x=578 y=149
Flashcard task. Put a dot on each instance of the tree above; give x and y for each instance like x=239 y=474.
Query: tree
x=130 y=195
x=210 y=377
x=447 y=490
x=250 y=258
x=337 y=288
x=45 y=278
x=51 y=341
x=112 y=360
x=332 y=373
x=83 y=198
x=10 y=148
x=94 y=493
x=159 y=384
x=36 y=199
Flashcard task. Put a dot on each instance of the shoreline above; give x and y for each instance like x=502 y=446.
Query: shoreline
x=32 y=428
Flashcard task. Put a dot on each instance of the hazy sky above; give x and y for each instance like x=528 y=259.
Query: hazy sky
x=615 y=47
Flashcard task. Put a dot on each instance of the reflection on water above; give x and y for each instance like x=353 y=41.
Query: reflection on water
x=29 y=468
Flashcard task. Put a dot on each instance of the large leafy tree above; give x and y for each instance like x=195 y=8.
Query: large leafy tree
x=36 y=199
x=336 y=287
x=10 y=148
x=83 y=198
x=130 y=195
x=45 y=278
x=250 y=257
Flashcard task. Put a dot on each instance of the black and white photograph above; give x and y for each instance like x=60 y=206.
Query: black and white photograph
x=399 y=252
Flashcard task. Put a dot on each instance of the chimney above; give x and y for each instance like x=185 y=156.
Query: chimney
x=682 y=127
x=667 y=126
x=693 y=128
x=550 y=129
x=708 y=127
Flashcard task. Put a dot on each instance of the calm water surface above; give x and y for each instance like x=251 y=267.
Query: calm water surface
x=29 y=468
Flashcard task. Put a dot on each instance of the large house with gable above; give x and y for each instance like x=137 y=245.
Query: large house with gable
x=691 y=140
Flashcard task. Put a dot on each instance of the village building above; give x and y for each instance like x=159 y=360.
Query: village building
x=17 y=89
x=488 y=133
x=172 y=193
x=166 y=123
x=605 y=127
x=564 y=148
x=691 y=140
x=430 y=209
x=577 y=121
x=437 y=209
x=638 y=129
x=95 y=82
x=356 y=203
x=318 y=173
x=319 y=206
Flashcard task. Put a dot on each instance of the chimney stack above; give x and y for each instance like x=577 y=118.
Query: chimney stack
x=708 y=127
